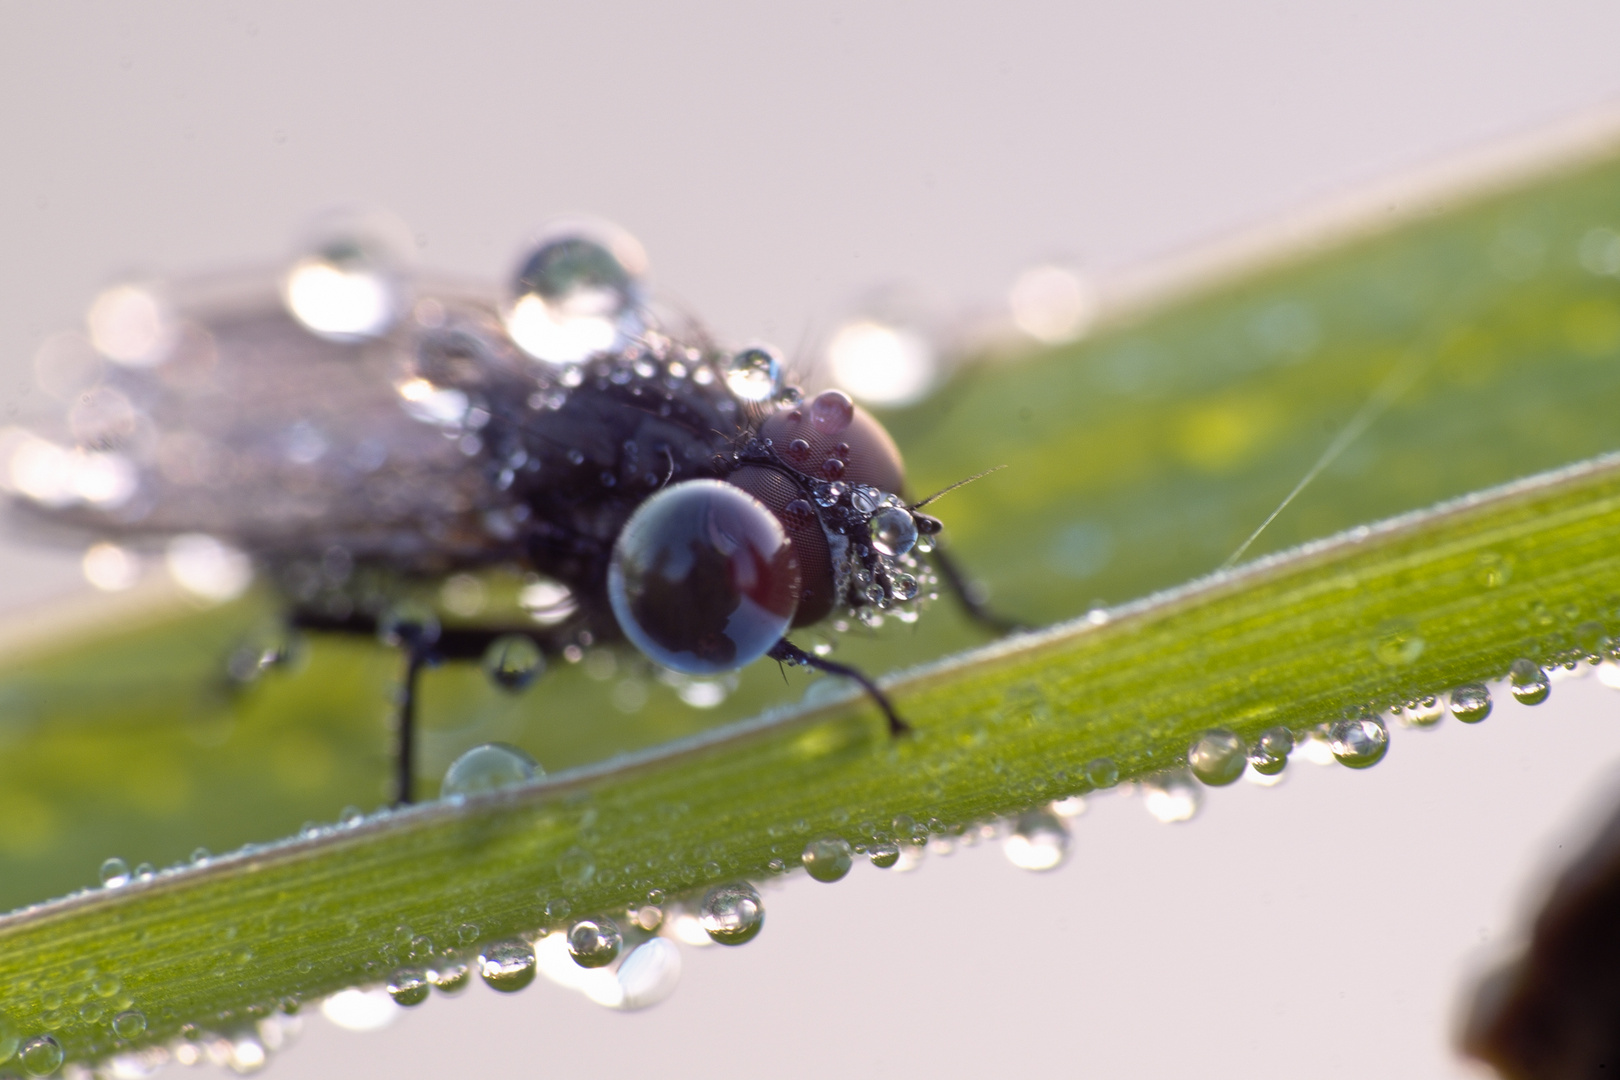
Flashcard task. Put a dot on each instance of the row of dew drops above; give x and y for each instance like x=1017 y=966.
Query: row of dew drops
x=633 y=962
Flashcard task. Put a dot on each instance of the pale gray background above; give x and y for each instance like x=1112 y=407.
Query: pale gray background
x=779 y=161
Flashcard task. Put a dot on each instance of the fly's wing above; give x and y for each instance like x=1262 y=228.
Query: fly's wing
x=254 y=430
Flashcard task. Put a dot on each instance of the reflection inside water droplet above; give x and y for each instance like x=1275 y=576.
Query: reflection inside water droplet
x=507 y=966
x=1471 y=703
x=41 y=1055
x=1359 y=742
x=732 y=914
x=594 y=942
x=1218 y=758
x=1039 y=841
x=409 y=987
x=514 y=661
x=349 y=282
x=755 y=373
x=827 y=859
x=883 y=853
x=1269 y=755
x=1172 y=797
x=1528 y=683
x=575 y=294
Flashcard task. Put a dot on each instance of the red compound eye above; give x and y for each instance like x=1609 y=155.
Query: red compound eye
x=832 y=428
x=704 y=578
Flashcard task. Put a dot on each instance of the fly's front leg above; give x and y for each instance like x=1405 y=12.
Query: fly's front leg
x=786 y=652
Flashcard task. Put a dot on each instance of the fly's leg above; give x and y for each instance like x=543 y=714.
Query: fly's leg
x=956 y=580
x=786 y=652
x=416 y=658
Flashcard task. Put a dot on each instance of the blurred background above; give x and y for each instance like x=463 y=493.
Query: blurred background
x=788 y=169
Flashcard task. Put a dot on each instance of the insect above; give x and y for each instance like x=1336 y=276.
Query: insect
x=353 y=425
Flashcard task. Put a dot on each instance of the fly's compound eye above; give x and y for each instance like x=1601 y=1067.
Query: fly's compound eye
x=831 y=438
x=703 y=578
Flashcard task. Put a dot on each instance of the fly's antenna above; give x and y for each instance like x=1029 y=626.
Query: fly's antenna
x=946 y=491
x=1388 y=392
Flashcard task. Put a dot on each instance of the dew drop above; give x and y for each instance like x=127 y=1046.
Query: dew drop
x=487 y=768
x=349 y=281
x=1269 y=755
x=883 y=853
x=829 y=494
x=114 y=872
x=594 y=942
x=732 y=914
x=1217 y=758
x=507 y=966
x=355 y=1009
x=831 y=412
x=41 y=1055
x=1398 y=643
x=1471 y=703
x=1358 y=742
x=575 y=294
x=1039 y=841
x=129 y=1023
x=648 y=975
x=1424 y=712
x=514 y=661
x=755 y=373
x=1527 y=682
x=452 y=979
x=1172 y=797
x=1102 y=773
x=409 y=986
x=827 y=859
x=893 y=531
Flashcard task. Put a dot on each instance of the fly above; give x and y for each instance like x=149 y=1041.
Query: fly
x=357 y=427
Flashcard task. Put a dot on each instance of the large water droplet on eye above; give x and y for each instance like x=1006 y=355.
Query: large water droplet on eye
x=827 y=859
x=129 y=1023
x=1471 y=703
x=489 y=767
x=755 y=373
x=893 y=531
x=1172 y=797
x=831 y=412
x=507 y=966
x=1269 y=755
x=594 y=942
x=1527 y=682
x=1039 y=841
x=1358 y=742
x=1217 y=758
x=732 y=914
x=513 y=661
x=349 y=281
x=41 y=1055
x=575 y=294
x=114 y=872
x=409 y=987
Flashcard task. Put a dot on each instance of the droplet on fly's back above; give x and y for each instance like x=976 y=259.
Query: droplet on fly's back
x=732 y=914
x=1359 y=742
x=1218 y=757
x=594 y=942
x=827 y=859
x=575 y=293
x=514 y=661
x=1527 y=682
x=41 y=1055
x=1269 y=755
x=755 y=373
x=507 y=966
x=351 y=280
x=486 y=768
x=409 y=987
x=1039 y=841
x=1471 y=703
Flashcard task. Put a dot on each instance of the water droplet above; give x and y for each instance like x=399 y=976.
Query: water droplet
x=1471 y=703
x=648 y=975
x=409 y=986
x=1217 y=758
x=827 y=859
x=513 y=661
x=486 y=768
x=507 y=966
x=829 y=494
x=893 y=531
x=41 y=1055
x=1172 y=797
x=407 y=624
x=129 y=1023
x=1269 y=755
x=594 y=942
x=1039 y=841
x=451 y=979
x=1398 y=643
x=360 y=1010
x=732 y=914
x=1359 y=742
x=1102 y=773
x=884 y=853
x=349 y=282
x=114 y=872
x=831 y=412
x=1424 y=712
x=755 y=373
x=201 y=856
x=575 y=293
x=1527 y=682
